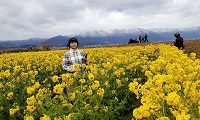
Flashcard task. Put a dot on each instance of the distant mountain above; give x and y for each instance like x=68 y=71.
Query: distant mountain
x=114 y=36
x=58 y=41
x=22 y=43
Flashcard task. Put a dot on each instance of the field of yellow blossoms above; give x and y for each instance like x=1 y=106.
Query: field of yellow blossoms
x=166 y=81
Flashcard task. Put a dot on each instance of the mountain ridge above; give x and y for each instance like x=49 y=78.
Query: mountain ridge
x=113 y=36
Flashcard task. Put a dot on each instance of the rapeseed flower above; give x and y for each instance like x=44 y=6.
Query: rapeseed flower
x=76 y=66
x=95 y=85
x=65 y=77
x=10 y=95
x=58 y=89
x=163 y=118
x=55 y=78
x=193 y=55
x=72 y=96
x=183 y=116
x=17 y=69
x=82 y=81
x=31 y=100
x=28 y=117
x=69 y=117
x=36 y=85
x=90 y=76
x=100 y=92
x=89 y=92
x=105 y=108
x=30 y=108
x=45 y=117
x=1 y=85
x=30 y=90
x=173 y=99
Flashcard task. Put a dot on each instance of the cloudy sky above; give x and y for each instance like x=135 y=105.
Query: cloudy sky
x=24 y=19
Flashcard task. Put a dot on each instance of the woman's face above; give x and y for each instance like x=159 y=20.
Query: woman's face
x=73 y=45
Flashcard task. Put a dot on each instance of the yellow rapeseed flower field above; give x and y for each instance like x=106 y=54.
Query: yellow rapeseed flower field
x=164 y=80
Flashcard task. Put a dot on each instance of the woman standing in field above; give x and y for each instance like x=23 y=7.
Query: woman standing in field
x=73 y=59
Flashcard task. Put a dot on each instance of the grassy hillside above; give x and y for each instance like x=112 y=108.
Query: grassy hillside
x=192 y=46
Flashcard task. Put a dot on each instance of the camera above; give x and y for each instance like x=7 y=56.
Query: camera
x=84 y=60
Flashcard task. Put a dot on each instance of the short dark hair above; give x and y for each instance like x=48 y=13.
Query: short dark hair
x=73 y=39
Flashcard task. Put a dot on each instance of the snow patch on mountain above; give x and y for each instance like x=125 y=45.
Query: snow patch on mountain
x=94 y=33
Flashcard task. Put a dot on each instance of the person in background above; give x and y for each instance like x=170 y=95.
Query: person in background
x=140 y=39
x=145 y=38
x=179 y=41
x=74 y=57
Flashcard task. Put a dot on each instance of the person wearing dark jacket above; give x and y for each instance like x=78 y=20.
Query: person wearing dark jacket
x=179 y=41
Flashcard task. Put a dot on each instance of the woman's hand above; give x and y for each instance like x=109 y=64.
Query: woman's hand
x=77 y=70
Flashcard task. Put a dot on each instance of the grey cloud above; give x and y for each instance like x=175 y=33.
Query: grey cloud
x=123 y=5
x=50 y=17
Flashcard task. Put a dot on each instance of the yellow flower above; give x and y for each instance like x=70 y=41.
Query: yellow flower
x=71 y=81
x=57 y=118
x=7 y=73
x=105 y=109
x=46 y=117
x=100 y=92
x=65 y=77
x=119 y=82
x=116 y=99
x=12 y=111
x=183 y=116
x=173 y=99
x=30 y=100
x=10 y=95
x=30 y=108
x=133 y=87
x=95 y=85
x=71 y=69
x=193 y=55
x=55 y=78
x=28 y=117
x=1 y=85
x=58 y=89
x=102 y=72
x=199 y=109
x=69 y=116
x=83 y=66
x=89 y=92
x=90 y=76
x=72 y=96
x=141 y=112
x=17 y=69
x=163 y=118
x=113 y=91
x=117 y=73
x=106 y=84
x=96 y=107
x=76 y=74
x=76 y=66
x=30 y=90
x=149 y=74
x=82 y=81
x=36 y=85
x=89 y=112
